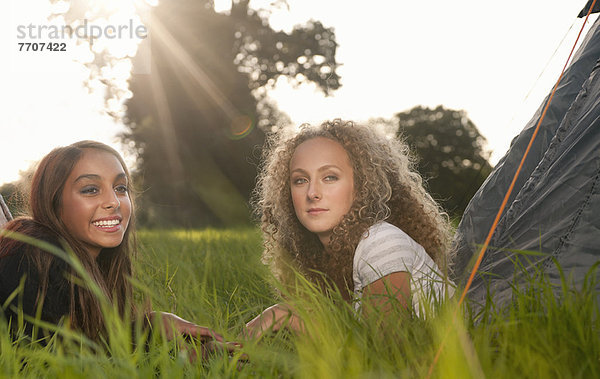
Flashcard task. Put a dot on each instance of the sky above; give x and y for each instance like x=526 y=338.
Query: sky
x=495 y=60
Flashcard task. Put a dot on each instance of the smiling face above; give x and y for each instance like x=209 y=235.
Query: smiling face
x=322 y=185
x=95 y=206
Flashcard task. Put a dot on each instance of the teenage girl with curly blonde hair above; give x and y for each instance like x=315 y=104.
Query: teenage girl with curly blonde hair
x=342 y=204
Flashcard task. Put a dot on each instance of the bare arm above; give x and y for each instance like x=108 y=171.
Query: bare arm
x=380 y=294
x=173 y=325
x=274 y=318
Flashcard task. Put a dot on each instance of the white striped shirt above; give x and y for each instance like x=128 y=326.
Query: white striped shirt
x=385 y=249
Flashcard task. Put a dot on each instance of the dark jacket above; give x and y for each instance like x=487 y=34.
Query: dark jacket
x=17 y=265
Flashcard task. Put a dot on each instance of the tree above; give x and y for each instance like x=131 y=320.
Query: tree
x=8 y=192
x=193 y=120
x=451 y=153
x=16 y=194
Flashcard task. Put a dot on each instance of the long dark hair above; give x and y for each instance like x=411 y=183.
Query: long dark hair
x=112 y=267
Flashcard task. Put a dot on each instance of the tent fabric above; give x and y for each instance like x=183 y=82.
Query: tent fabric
x=5 y=215
x=585 y=9
x=555 y=204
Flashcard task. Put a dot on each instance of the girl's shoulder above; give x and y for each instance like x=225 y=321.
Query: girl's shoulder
x=28 y=269
x=382 y=250
x=30 y=228
x=381 y=239
x=18 y=258
x=384 y=231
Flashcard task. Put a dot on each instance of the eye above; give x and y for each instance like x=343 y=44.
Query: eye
x=331 y=178
x=121 y=189
x=299 y=181
x=89 y=190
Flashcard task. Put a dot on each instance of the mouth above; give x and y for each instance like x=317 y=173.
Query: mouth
x=316 y=211
x=110 y=224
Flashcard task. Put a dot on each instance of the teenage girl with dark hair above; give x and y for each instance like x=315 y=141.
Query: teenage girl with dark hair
x=81 y=199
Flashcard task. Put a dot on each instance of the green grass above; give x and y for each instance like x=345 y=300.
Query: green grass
x=215 y=278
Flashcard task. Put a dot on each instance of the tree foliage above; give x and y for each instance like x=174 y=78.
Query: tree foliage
x=16 y=194
x=193 y=120
x=451 y=153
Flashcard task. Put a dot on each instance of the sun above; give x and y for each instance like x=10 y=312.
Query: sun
x=113 y=6
x=107 y=35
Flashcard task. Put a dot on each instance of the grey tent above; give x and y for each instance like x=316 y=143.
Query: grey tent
x=555 y=205
x=5 y=215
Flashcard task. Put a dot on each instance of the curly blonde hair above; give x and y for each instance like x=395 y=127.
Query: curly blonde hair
x=386 y=188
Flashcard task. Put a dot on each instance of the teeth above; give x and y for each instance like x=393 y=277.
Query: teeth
x=107 y=223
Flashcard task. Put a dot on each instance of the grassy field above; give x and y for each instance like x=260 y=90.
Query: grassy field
x=215 y=278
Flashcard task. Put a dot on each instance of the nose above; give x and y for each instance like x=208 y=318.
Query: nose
x=111 y=201
x=314 y=191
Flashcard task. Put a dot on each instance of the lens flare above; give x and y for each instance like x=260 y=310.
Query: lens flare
x=240 y=127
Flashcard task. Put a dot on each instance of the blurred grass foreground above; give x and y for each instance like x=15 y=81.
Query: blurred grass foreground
x=215 y=278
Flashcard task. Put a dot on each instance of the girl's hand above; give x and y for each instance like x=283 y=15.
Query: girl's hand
x=211 y=343
x=274 y=318
x=173 y=325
